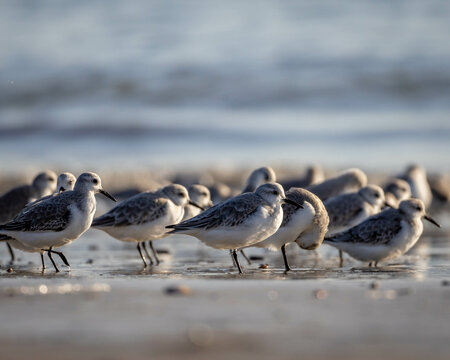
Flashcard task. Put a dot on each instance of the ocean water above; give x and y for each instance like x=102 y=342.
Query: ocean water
x=191 y=84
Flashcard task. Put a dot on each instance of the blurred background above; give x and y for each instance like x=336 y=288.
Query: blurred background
x=196 y=84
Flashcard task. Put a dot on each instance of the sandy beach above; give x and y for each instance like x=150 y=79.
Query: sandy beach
x=195 y=306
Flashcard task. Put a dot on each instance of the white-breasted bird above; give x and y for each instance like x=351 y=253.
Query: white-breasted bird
x=348 y=210
x=305 y=225
x=13 y=201
x=239 y=222
x=65 y=182
x=384 y=236
x=58 y=220
x=144 y=217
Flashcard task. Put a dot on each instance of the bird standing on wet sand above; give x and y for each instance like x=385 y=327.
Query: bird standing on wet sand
x=13 y=201
x=348 y=210
x=306 y=225
x=58 y=220
x=65 y=182
x=257 y=177
x=144 y=217
x=384 y=236
x=239 y=222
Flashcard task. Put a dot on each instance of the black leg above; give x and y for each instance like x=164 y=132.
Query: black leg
x=141 y=254
x=376 y=263
x=61 y=255
x=245 y=257
x=11 y=253
x=237 y=261
x=341 y=258
x=286 y=264
x=155 y=253
x=146 y=253
x=370 y=264
x=49 y=253
x=43 y=262
x=232 y=258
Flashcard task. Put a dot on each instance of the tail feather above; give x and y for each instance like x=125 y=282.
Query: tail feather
x=105 y=220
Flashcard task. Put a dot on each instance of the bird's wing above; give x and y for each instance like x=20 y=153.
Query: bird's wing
x=137 y=210
x=49 y=215
x=229 y=213
x=342 y=210
x=13 y=201
x=376 y=230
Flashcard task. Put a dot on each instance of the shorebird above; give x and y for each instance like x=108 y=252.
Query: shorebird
x=384 y=236
x=306 y=226
x=13 y=201
x=144 y=217
x=258 y=177
x=201 y=196
x=65 y=182
x=58 y=220
x=416 y=177
x=239 y=222
x=350 y=180
x=314 y=175
x=348 y=210
x=395 y=191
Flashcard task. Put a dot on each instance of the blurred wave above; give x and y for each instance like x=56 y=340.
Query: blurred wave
x=246 y=74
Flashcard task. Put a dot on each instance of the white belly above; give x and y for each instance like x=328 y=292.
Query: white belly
x=79 y=222
x=399 y=245
x=257 y=228
x=299 y=222
x=19 y=246
x=150 y=230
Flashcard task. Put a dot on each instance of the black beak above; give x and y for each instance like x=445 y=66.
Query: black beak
x=61 y=189
x=101 y=191
x=431 y=220
x=289 y=201
x=387 y=204
x=196 y=205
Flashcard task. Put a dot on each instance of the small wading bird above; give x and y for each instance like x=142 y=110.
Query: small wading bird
x=65 y=181
x=13 y=201
x=384 y=236
x=348 y=210
x=304 y=225
x=239 y=222
x=58 y=220
x=144 y=217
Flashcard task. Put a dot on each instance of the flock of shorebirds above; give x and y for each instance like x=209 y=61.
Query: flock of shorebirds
x=366 y=221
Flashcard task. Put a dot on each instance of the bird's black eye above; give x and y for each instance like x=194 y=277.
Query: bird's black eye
x=275 y=192
x=203 y=194
x=180 y=194
x=418 y=208
x=377 y=195
x=266 y=176
x=51 y=179
x=95 y=181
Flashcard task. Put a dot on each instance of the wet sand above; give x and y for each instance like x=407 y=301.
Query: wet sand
x=195 y=306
